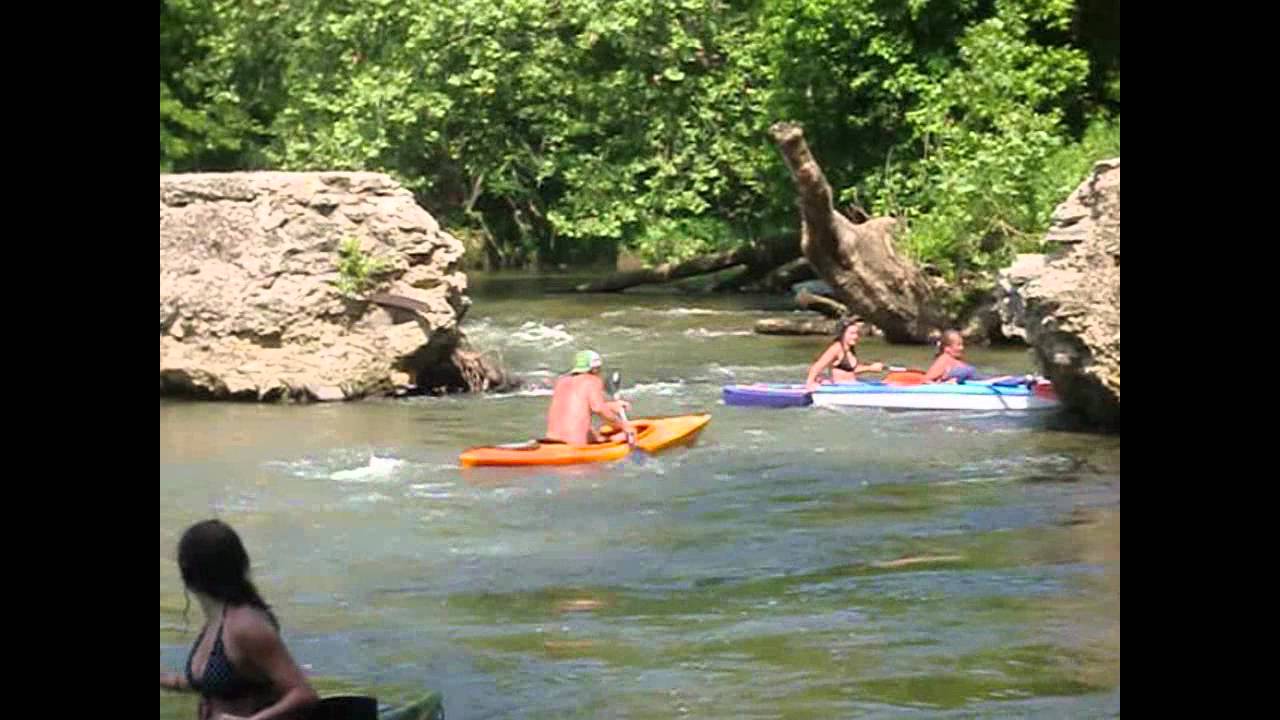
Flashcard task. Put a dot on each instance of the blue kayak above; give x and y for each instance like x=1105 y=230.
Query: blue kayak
x=772 y=395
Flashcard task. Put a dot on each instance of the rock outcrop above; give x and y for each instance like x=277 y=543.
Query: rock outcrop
x=1066 y=304
x=250 y=306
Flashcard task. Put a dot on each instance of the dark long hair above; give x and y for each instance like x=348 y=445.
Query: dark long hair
x=213 y=561
x=845 y=324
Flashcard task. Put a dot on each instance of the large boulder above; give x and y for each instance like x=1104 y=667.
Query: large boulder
x=1066 y=304
x=249 y=301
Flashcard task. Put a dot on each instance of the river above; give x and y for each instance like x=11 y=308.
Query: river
x=798 y=563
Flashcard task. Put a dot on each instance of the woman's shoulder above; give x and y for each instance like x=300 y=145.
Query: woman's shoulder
x=248 y=619
x=828 y=349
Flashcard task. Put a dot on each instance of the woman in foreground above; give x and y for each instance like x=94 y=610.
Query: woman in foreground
x=239 y=663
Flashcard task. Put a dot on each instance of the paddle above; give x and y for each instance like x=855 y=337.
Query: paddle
x=903 y=376
x=615 y=384
x=1008 y=381
x=344 y=707
x=360 y=707
x=912 y=376
x=899 y=375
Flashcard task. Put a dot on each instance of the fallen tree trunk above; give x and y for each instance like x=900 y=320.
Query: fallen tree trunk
x=857 y=260
x=740 y=281
x=666 y=272
x=781 y=278
x=825 y=305
x=767 y=254
x=796 y=326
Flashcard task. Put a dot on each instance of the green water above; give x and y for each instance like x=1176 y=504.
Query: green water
x=799 y=563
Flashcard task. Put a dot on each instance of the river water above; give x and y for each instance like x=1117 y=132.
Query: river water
x=798 y=563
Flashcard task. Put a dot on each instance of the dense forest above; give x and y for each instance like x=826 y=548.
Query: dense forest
x=560 y=131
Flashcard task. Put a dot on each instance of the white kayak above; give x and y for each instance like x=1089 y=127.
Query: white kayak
x=972 y=395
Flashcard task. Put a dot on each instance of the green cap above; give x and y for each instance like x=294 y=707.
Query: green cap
x=586 y=361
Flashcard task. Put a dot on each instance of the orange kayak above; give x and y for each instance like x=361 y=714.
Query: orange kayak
x=652 y=434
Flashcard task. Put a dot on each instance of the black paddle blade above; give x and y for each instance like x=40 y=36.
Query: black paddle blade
x=344 y=707
x=615 y=382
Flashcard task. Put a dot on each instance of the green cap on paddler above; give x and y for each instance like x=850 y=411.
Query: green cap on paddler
x=586 y=361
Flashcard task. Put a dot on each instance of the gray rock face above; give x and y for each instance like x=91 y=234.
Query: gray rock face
x=1067 y=304
x=249 y=306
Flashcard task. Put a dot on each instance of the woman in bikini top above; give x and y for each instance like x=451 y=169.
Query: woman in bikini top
x=220 y=679
x=841 y=356
x=242 y=667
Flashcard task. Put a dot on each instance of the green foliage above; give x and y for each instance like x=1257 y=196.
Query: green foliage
x=356 y=269
x=1067 y=168
x=994 y=155
x=679 y=239
x=552 y=132
x=219 y=83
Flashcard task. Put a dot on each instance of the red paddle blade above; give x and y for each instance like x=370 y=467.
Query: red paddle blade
x=905 y=377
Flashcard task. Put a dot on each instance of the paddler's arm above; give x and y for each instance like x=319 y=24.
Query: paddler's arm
x=874 y=367
x=822 y=363
x=936 y=370
x=173 y=681
x=606 y=410
x=264 y=649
